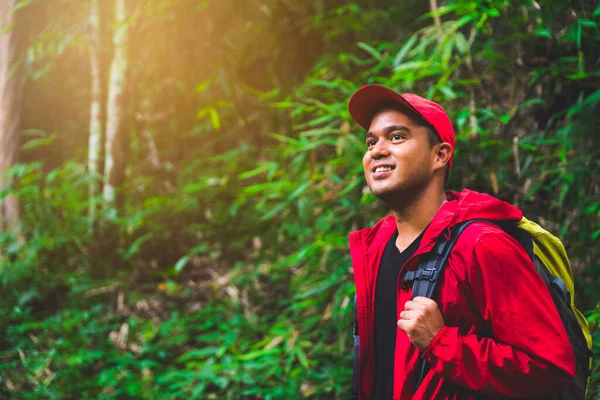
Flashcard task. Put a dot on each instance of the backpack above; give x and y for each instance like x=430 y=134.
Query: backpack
x=552 y=264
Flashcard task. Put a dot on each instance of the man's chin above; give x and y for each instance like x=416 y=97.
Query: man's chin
x=393 y=194
x=384 y=193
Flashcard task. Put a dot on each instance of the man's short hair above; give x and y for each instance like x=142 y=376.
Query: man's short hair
x=434 y=138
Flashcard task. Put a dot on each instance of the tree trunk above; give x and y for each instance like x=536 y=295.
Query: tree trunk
x=95 y=140
x=437 y=20
x=114 y=162
x=11 y=88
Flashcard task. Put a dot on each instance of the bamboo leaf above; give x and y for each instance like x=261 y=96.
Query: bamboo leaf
x=180 y=264
x=373 y=52
x=404 y=50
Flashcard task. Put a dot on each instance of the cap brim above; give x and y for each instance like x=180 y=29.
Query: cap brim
x=369 y=99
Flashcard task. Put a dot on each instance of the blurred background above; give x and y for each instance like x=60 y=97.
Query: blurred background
x=178 y=178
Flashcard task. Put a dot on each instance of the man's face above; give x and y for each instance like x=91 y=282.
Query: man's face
x=398 y=160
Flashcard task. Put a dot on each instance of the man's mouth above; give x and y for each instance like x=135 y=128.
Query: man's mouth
x=381 y=171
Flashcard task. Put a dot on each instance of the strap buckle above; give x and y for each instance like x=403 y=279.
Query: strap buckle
x=428 y=274
x=422 y=274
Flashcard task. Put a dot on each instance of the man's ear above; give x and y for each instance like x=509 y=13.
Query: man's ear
x=443 y=153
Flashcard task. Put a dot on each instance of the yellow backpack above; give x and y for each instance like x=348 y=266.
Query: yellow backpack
x=550 y=253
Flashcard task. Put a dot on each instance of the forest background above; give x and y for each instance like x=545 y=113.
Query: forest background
x=179 y=177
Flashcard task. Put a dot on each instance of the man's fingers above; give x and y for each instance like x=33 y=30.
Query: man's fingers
x=416 y=305
x=404 y=324
x=423 y=300
x=407 y=315
x=421 y=320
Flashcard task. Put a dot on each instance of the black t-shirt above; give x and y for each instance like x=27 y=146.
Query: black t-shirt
x=386 y=315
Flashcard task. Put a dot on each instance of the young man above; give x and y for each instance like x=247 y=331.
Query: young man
x=492 y=331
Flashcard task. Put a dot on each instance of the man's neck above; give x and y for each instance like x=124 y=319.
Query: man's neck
x=412 y=218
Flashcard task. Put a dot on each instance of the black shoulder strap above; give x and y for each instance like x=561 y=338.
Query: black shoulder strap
x=424 y=279
x=354 y=390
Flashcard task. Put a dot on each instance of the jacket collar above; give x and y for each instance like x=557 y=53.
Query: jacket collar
x=461 y=206
x=443 y=219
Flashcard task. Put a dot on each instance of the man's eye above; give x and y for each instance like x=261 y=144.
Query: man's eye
x=397 y=136
x=371 y=143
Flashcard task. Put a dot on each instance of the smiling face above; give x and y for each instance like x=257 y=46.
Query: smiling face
x=399 y=161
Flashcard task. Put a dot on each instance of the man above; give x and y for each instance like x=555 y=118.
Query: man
x=492 y=331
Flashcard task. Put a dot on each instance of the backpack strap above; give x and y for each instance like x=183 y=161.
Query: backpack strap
x=424 y=279
x=354 y=390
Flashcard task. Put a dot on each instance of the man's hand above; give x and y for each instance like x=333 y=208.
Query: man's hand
x=421 y=320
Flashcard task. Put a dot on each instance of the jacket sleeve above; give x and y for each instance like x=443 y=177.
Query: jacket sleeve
x=529 y=352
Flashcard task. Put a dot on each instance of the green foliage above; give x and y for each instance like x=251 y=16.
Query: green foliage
x=226 y=273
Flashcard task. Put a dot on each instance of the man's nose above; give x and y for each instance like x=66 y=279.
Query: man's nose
x=380 y=149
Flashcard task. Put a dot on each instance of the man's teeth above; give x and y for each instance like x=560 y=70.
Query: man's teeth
x=381 y=169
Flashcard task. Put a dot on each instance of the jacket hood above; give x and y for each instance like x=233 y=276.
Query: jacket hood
x=473 y=205
x=461 y=206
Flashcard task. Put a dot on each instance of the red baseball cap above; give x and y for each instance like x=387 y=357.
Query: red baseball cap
x=369 y=99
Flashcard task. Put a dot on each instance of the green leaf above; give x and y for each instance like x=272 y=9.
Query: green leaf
x=588 y=23
x=593 y=317
x=180 y=264
x=373 y=52
x=543 y=32
x=463 y=21
x=404 y=50
x=213 y=115
x=493 y=12
x=21 y=4
x=201 y=248
x=302 y=357
x=198 y=353
x=411 y=65
x=201 y=87
x=135 y=246
x=41 y=142
x=214 y=118
x=257 y=171
x=461 y=43
x=530 y=102
x=258 y=353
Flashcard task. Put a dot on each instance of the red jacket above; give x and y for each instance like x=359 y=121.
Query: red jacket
x=502 y=335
